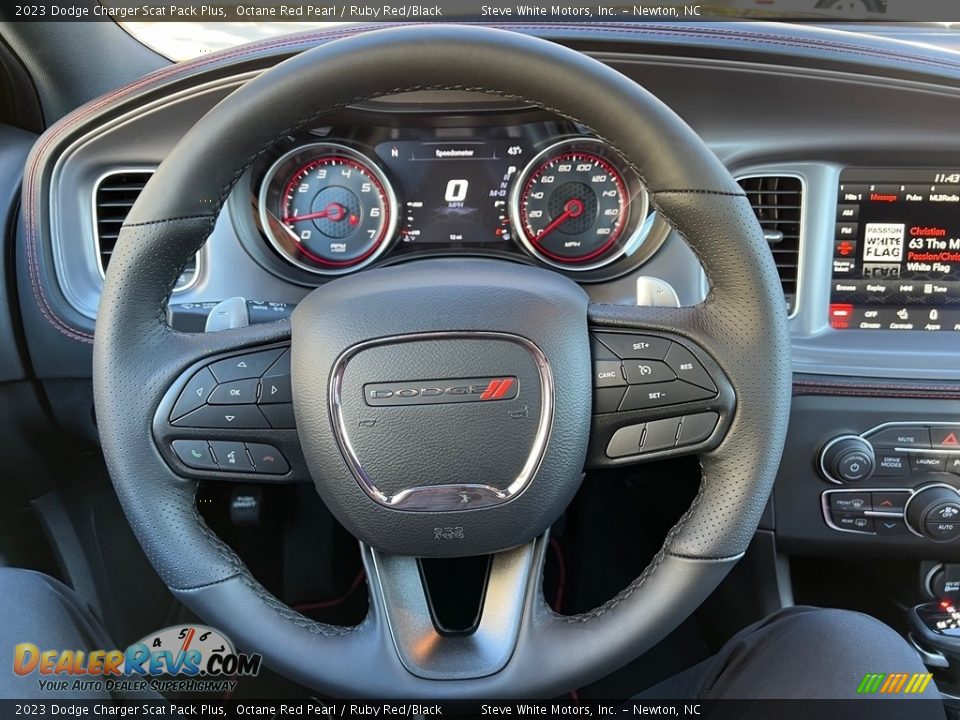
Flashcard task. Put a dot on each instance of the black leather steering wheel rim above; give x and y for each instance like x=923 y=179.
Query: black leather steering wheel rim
x=742 y=325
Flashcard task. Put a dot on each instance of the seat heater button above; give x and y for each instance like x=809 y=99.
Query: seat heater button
x=241 y=367
x=643 y=397
x=607 y=400
x=195 y=454
x=849 y=502
x=224 y=416
x=625 y=441
x=608 y=373
x=236 y=392
x=688 y=368
x=697 y=428
x=231 y=456
x=660 y=435
x=195 y=394
x=635 y=347
x=908 y=437
x=641 y=372
x=267 y=459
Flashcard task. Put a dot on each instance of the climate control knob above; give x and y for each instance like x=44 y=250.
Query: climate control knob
x=934 y=512
x=848 y=458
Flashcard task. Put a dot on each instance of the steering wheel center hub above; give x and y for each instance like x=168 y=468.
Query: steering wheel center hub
x=446 y=420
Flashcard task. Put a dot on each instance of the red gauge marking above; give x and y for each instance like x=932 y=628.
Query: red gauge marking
x=573 y=209
x=335 y=212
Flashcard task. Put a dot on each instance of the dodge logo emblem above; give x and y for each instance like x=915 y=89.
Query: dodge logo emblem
x=434 y=392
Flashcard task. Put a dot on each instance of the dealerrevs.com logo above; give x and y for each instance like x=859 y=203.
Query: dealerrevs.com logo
x=180 y=658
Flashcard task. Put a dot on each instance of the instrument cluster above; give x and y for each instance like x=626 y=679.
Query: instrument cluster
x=343 y=197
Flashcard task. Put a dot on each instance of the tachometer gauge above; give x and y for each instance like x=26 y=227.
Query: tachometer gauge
x=577 y=207
x=327 y=208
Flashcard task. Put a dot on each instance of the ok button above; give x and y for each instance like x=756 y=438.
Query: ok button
x=641 y=372
x=237 y=392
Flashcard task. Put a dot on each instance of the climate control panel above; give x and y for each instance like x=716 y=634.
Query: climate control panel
x=892 y=450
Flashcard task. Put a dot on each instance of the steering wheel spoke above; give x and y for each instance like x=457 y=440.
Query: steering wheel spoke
x=657 y=391
x=399 y=593
x=229 y=414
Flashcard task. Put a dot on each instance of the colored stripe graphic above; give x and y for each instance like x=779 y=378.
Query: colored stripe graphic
x=894 y=683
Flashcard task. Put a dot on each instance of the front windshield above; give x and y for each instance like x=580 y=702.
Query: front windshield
x=239 y=23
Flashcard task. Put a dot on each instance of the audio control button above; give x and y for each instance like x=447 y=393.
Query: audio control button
x=854 y=465
x=905 y=437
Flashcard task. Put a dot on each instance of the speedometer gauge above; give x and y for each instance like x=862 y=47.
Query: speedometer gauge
x=327 y=208
x=575 y=206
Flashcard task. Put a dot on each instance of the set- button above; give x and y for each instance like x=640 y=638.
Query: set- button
x=250 y=391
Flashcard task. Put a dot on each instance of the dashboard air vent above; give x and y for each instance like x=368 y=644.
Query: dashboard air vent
x=114 y=195
x=777 y=200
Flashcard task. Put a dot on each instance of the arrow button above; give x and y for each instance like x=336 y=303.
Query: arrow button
x=235 y=416
x=275 y=390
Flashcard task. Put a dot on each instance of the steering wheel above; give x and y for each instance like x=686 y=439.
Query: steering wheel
x=413 y=478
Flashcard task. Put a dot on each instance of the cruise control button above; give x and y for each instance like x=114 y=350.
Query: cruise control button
x=660 y=435
x=625 y=441
x=275 y=390
x=279 y=416
x=849 y=501
x=945 y=438
x=891 y=464
x=928 y=463
x=241 y=367
x=607 y=400
x=697 y=428
x=607 y=373
x=635 y=347
x=906 y=437
x=688 y=368
x=267 y=459
x=195 y=454
x=237 y=392
x=195 y=394
x=641 y=372
x=890 y=501
x=643 y=397
x=224 y=416
x=231 y=456
x=851 y=521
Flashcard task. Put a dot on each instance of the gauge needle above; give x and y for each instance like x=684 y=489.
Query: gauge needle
x=334 y=212
x=573 y=209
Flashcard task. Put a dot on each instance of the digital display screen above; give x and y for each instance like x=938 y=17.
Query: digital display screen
x=896 y=251
x=454 y=192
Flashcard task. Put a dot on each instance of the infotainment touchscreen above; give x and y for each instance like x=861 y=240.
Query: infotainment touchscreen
x=896 y=251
